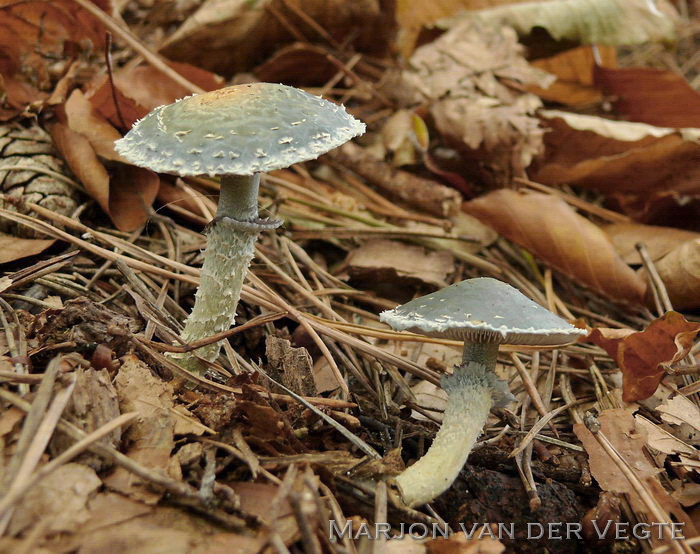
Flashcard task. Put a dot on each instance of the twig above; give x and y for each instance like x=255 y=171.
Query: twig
x=135 y=44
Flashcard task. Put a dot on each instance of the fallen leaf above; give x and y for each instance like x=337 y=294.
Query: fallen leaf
x=613 y=22
x=33 y=37
x=151 y=88
x=683 y=413
x=471 y=79
x=663 y=441
x=59 y=501
x=101 y=94
x=151 y=437
x=86 y=140
x=642 y=356
x=299 y=65
x=658 y=240
x=628 y=439
x=14 y=248
x=390 y=261
x=648 y=95
x=618 y=156
x=226 y=36
x=554 y=233
x=574 y=72
x=412 y=17
x=92 y=405
x=256 y=500
x=680 y=272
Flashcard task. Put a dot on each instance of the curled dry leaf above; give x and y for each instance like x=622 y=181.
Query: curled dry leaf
x=550 y=229
x=472 y=78
x=658 y=240
x=644 y=355
x=618 y=156
x=680 y=272
x=648 y=95
x=86 y=140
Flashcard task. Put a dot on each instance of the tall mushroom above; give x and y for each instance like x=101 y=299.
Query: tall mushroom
x=235 y=133
x=484 y=313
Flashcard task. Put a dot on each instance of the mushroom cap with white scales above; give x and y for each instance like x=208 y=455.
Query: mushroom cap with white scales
x=238 y=130
x=482 y=310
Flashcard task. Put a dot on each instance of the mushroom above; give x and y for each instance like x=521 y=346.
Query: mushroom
x=484 y=313
x=235 y=133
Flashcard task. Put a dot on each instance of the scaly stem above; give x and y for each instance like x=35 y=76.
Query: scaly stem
x=230 y=248
x=469 y=399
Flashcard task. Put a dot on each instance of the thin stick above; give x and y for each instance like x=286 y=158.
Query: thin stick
x=156 y=60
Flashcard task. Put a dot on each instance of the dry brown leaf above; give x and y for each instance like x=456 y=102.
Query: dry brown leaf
x=413 y=16
x=59 y=501
x=554 y=233
x=151 y=88
x=642 y=356
x=658 y=240
x=471 y=79
x=151 y=437
x=256 y=499
x=648 y=95
x=614 y=22
x=119 y=524
x=628 y=438
x=663 y=441
x=618 y=156
x=390 y=261
x=86 y=140
x=683 y=413
x=574 y=72
x=33 y=36
x=680 y=272
x=15 y=248
x=101 y=93
x=226 y=36
x=299 y=65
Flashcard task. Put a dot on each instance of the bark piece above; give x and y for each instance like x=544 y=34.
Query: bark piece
x=421 y=193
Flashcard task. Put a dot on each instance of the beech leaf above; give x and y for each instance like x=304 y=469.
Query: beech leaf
x=618 y=156
x=642 y=356
x=648 y=95
x=550 y=229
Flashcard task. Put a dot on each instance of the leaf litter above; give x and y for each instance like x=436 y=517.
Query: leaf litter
x=109 y=446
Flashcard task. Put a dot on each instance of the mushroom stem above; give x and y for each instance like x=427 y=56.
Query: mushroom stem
x=238 y=198
x=230 y=248
x=469 y=399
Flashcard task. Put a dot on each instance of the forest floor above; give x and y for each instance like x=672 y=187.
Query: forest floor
x=553 y=146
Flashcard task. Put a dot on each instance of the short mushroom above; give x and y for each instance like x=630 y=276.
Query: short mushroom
x=484 y=313
x=235 y=133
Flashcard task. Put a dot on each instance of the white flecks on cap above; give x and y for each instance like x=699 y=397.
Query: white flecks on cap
x=482 y=310
x=262 y=126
